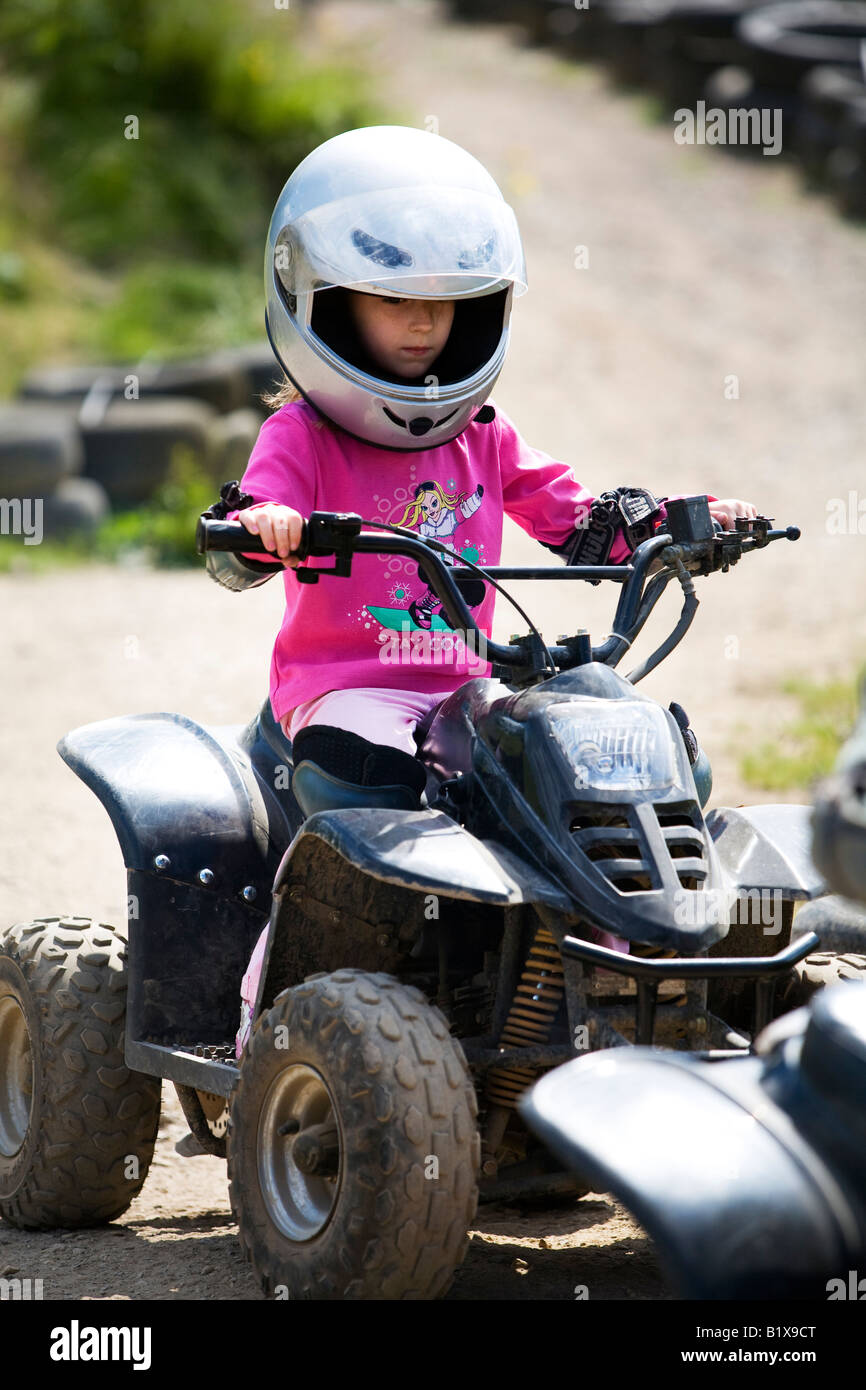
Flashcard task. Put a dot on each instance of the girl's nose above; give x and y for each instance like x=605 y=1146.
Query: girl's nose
x=422 y=316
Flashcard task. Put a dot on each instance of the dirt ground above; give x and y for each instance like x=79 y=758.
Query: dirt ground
x=700 y=267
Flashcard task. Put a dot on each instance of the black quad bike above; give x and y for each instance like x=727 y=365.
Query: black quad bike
x=414 y=982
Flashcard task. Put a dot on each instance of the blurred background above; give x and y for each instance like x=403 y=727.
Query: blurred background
x=696 y=321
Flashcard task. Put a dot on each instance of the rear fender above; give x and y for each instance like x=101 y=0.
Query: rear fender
x=176 y=788
x=186 y=801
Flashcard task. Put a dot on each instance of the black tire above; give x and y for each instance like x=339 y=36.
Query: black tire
x=846 y=165
x=825 y=93
x=696 y=38
x=263 y=372
x=82 y=1153
x=129 y=449
x=76 y=505
x=220 y=380
x=232 y=439
x=70 y=384
x=556 y=23
x=217 y=380
x=732 y=88
x=39 y=446
x=840 y=924
x=817 y=972
x=374 y=1057
x=784 y=41
x=631 y=38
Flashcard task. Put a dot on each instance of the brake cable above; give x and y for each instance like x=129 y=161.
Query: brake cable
x=672 y=557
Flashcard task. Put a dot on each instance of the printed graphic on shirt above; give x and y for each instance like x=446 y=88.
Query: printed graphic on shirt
x=433 y=511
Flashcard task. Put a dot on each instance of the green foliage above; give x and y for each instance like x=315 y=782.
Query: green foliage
x=176 y=307
x=161 y=533
x=808 y=745
x=224 y=106
x=13 y=281
x=111 y=247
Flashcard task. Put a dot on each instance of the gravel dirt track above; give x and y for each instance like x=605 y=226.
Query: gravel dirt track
x=700 y=266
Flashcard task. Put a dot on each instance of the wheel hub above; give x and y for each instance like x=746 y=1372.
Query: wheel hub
x=299 y=1152
x=16 y=1077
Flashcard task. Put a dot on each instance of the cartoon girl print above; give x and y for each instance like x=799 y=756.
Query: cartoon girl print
x=437 y=513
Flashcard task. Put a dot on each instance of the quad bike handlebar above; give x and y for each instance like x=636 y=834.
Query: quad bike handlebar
x=691 y=545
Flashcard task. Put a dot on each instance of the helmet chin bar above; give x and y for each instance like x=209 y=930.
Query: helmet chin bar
x=419 y=424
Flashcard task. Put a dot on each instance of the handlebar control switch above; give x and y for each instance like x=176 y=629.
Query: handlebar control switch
x=329 y=533
x=689 y=519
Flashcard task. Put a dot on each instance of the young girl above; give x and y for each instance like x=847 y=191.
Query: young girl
x=391 y=265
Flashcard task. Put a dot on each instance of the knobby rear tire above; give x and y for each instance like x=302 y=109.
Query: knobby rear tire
x=92 y=1124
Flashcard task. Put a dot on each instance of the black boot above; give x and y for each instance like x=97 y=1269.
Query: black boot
x=335 y=770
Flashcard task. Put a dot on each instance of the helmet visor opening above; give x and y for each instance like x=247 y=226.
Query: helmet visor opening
x=474 y=337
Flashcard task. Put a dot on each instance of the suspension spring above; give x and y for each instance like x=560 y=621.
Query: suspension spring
x=531 y=1016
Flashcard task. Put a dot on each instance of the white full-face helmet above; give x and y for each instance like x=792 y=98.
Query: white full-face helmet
x=395 y=211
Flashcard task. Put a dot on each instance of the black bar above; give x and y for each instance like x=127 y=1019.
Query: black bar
x=202 y=1073
x=545 y=1055
x=764 y=991
x=698 y=968
x=618 y=573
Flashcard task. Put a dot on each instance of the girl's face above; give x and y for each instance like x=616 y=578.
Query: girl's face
x=403 y=335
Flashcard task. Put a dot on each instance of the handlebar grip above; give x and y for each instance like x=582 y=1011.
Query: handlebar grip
x=234 y=538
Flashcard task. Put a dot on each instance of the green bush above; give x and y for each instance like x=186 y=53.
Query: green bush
x=161 y=533
x=225 y=109
x=168 y=308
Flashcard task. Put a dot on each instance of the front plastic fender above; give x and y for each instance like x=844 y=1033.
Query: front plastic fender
x=430 y=853
x=767 y=848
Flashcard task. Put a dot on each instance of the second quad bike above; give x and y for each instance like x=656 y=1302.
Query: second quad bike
x=414 y=981
x=666 y=1133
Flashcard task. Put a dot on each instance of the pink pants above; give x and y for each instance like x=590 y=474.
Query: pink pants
x=381 y=716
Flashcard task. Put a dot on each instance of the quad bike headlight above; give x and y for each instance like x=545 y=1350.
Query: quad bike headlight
x=621 y=746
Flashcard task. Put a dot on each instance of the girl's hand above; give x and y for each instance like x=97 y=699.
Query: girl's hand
x=727 y=509
x=279 y=527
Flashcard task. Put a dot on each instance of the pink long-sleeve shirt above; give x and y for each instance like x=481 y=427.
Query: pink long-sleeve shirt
x=355 y=632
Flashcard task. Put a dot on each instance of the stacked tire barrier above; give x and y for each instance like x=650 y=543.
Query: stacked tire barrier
x=805 y=59
x=88 y=440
